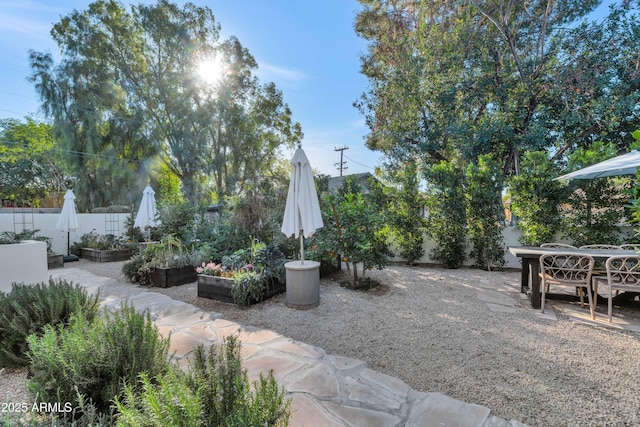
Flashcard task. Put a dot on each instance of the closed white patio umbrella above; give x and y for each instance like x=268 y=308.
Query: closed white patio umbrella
x=302 y=218
x=625 y=164
x=146 y=216
x=68 y=220
x=302 y=215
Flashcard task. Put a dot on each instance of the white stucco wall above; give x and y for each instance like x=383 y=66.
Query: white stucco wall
x=511 y=235
x=24 y=262
x=46 y=223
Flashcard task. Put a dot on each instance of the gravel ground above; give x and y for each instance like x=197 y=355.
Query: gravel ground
x=432 y=328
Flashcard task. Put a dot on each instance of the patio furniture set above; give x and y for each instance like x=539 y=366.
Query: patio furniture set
x=585 y=267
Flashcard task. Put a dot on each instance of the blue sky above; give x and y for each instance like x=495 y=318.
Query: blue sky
x=308 y=48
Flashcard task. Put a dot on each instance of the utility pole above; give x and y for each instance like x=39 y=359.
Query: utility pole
x=341 y=164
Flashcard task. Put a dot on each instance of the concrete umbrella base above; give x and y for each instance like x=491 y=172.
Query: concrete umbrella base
x=303 y=284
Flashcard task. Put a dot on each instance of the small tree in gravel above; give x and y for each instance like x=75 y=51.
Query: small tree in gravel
x=447 y=220
x=360 y=238
x=403 y=210
x=536 y=198
x=485 y=213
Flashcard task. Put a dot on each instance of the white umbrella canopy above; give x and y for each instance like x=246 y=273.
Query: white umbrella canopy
x=146 y=216
x=302 y=215
x=625 y=164
x=68 y=219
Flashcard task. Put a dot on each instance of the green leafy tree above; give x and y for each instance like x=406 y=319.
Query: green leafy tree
x=403 y=204
x=29 y=165
x=595 y=206
x=104 y=143
x=536 y=199
x=131 y=76
x=447 y=222
x=455 y=80
x=485 y=217
x=361 y=239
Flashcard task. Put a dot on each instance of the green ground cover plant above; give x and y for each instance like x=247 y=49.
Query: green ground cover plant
x=28 y=309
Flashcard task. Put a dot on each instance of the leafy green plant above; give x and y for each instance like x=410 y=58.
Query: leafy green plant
x=485 y=213
x=536 y=199
x=270 y=261
x=27 y=309
x=253 y=269
x=247 y=284
x=168 y=253
x=595 y=206
x=447 y=220
x=361 y=238
x=403 y=205
x=177 y=220
x=102 y=242
x=214 y=392
x=93 y=359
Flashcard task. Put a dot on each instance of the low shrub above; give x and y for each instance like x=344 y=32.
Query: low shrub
x=215 y=392
x=93 y=360
x=27 y=309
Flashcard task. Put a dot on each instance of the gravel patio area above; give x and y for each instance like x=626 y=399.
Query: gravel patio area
x=466 y=333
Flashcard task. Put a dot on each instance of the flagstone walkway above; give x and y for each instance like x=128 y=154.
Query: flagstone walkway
x=326 y=390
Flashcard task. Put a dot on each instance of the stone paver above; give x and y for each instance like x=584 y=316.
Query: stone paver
x=326 y=390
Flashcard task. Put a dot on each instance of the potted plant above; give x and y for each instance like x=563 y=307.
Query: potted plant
x=105 y=248
x=245 y=277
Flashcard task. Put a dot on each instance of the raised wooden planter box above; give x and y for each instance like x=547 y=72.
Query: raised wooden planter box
x=219 y=288
x=97 y=255
x=55 y=261
x=167 y=277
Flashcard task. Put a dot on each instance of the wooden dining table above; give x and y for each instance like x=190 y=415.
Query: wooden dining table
x=530 y=278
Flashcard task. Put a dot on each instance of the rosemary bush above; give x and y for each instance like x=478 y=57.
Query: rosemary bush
x=93 y=359
x=27 y=309
x=215 y=392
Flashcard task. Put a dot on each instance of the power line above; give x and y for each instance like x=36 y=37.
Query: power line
x=74 y=152
x=358 y=163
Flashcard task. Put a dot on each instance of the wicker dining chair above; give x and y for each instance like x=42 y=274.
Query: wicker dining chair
x=604 y=247
x=566 y=270
x=631 y=247
x=623 y=274
x=557 y=245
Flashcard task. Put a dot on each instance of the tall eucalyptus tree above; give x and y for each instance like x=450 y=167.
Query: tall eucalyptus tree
x=139 y=68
